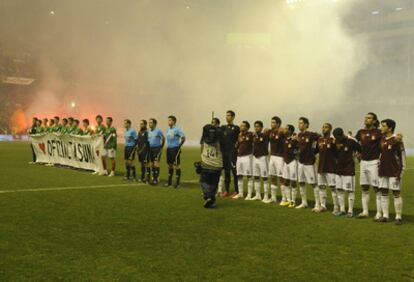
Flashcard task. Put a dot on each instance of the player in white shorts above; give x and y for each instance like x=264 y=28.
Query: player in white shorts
x=276 y=140
x=391 y=169
x=244 y=168
x=326 y=167
x=260 y=168
x=306 y=166
x=369 y=138
x=290 y=167
x=110 y=145
x=109 y=153
x=346 y=148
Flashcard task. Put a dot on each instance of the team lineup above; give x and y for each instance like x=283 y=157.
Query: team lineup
x=147 y=144
x=292 y=164
x=267 y=160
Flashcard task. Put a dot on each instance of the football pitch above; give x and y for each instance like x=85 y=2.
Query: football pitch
x=62 y=224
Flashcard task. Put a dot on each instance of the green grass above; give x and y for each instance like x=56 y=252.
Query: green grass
x=143 y=233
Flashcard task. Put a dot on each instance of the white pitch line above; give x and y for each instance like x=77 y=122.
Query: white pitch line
x=69 y=188
x=78 y=187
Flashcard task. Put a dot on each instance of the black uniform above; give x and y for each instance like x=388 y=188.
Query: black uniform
x=230 y=135
x=142 y=146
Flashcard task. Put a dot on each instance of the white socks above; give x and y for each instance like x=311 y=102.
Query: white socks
x=257 y=188
x=351 y=200
x=365 y=202
x=316 y=195
x=294 y=193
x=249 y=187
x=241 y=188
x=266 y=189
x=341 y=200
x=322 y=196
x=273 y=191
x=335 y=199
x=282 y=192
x=384 y=206
x=398 y=204
x=303 y=195
x=379 y=205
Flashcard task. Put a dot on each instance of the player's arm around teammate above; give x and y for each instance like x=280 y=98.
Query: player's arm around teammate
x=306 y=165
x=346 y=148
x=290 y=167
x=244 y=147
x=369 y=139
x=392 y=165
x=260 y=162
x=326 y=167
x=276 y=139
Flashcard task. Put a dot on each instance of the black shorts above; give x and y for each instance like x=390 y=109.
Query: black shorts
x=173 y=156
x=128 y=153
x=143 y=156
x=154 y=154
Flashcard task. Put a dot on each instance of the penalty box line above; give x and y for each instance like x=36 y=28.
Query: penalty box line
x=79 y=187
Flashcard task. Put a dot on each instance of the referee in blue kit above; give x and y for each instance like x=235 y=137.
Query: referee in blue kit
x=156 y=142
x=175 y=139
x=130 y=136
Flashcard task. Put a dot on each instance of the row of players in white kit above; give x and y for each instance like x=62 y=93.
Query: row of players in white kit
x=292 y=161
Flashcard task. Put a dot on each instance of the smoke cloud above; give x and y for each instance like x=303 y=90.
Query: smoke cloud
x=142 y=59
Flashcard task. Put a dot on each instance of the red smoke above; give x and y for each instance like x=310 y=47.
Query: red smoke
x=18 y=122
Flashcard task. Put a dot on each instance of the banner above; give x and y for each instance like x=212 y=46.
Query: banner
x=75 y=151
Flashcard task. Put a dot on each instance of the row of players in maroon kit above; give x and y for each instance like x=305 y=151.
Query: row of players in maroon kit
x=293 y=161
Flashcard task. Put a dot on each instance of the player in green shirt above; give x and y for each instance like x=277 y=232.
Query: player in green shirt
x=64 y=126
x=75 y=128
x=57 y=126
x=110 y=145
x=87 y=131
x=70 y=125
x=51 y=126
x=39 y=128
x=100 y=131
x=45 y=125
x=100 y=128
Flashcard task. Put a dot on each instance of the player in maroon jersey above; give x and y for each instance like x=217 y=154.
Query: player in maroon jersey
x=369 y=138
x=290 y=166
x=260 y=168
x=391 y=168
x=244 y=147
x=306 y=166
x=276 y=139
x=346 y=148
x=326 y=166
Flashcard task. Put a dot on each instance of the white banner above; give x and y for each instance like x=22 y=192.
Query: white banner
x=76 y=151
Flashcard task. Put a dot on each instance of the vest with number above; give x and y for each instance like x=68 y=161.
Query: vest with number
x=211 y=156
